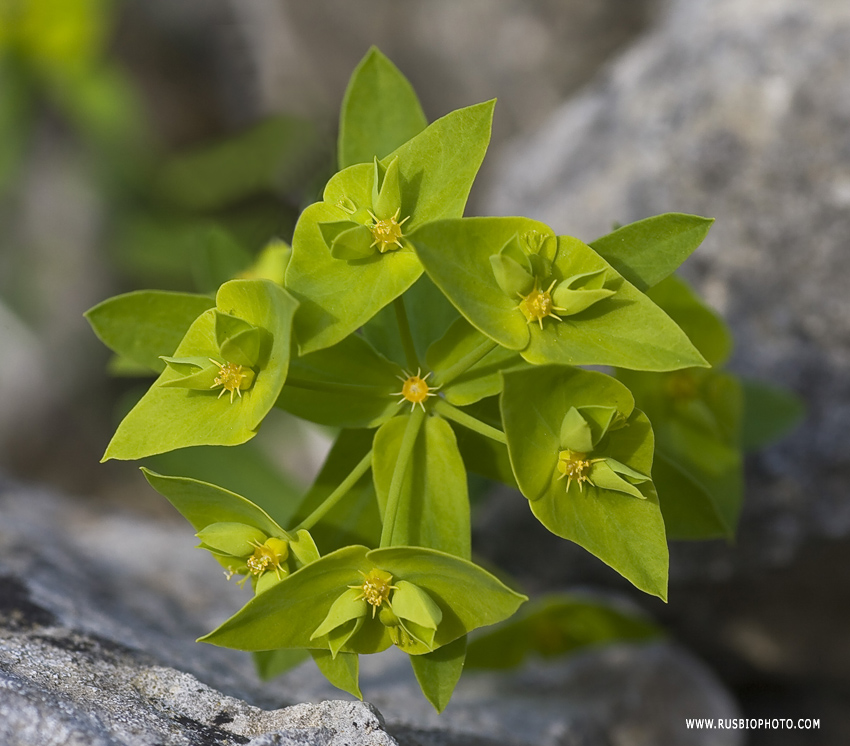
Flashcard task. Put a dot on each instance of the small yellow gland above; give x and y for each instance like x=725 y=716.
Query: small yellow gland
x=575 y=467
x=269 y=555
x=416 y=390
x=375 y=588
x=233 y=378
x=387 y=233
x=537 y=305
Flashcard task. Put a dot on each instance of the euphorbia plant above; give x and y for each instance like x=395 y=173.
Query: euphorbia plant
x=437 y=345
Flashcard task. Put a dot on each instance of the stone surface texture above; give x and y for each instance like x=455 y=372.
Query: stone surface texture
x=100 y=606
x=739 y=110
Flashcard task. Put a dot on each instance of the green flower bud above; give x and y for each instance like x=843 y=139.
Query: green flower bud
x=234 y=539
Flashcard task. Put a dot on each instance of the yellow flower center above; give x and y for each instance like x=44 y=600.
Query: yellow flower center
x=387 y=233
x=575 y=467
x=269 y=555
x=537 y=305
x=232 y=378
x=375 y=588
x=416 y=390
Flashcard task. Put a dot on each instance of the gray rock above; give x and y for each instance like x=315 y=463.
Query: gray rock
x=736 y=109
x=100 y=606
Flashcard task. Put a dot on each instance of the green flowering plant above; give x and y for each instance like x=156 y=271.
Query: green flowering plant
x=437 y=345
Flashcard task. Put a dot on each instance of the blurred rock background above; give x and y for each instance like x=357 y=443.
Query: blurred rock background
x=608 y=111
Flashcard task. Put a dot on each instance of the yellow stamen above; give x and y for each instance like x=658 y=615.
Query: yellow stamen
x=537 y=305
x=575 y=466
x=230 y=377
x=387 y=233
x=375 y=588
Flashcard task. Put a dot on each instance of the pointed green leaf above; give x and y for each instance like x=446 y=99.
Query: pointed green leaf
x=168 y=418
x=380 y=111
x=341 y=670
x=272 y=663
x=438 y=672
x=347 y=385
x=624 y=532
x=703 y=326
x=434 y=508
x=413 y=604
x=688 y=509
x=514 y=280
x=146 y=324
x=626 y=329
x=348 y=605
x=438 y=166
x=202 y=504
x=387 y=202
x=647 y=251
x=575 y=432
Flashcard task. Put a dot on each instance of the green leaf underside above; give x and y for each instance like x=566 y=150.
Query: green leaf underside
x=688 y=509
x=146 y=324
x=273 y=663
x=380 y=111
x=203 y=504
x=696 y=417
x=356 y=518
x=286 y=615
x=434 y=506
x=556 y=626
x=625 y=329
x=436 y=170
x=624 y=532
x=167 y=418
x=366 y=386
x=769 y=413
x=647 y=251
x=342 y=670
x=704 y=327
x=439 y=672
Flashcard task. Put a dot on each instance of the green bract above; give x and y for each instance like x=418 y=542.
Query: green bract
x=510 y=277
x=241 y=348
x=582 y=456
x=435 y=346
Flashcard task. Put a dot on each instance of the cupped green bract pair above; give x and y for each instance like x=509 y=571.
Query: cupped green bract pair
x=552 y=299
x=239 y=534
x=358 y=601
x=350 y=252
x=221 y=381
x=582 y=455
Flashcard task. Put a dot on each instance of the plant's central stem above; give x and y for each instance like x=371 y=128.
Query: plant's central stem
x=411 y=431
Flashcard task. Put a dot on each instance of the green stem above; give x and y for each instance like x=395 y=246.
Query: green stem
x=406 y=336
x=441 y=406
x=337 y=495
x=466 y=362
x=411 y=431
